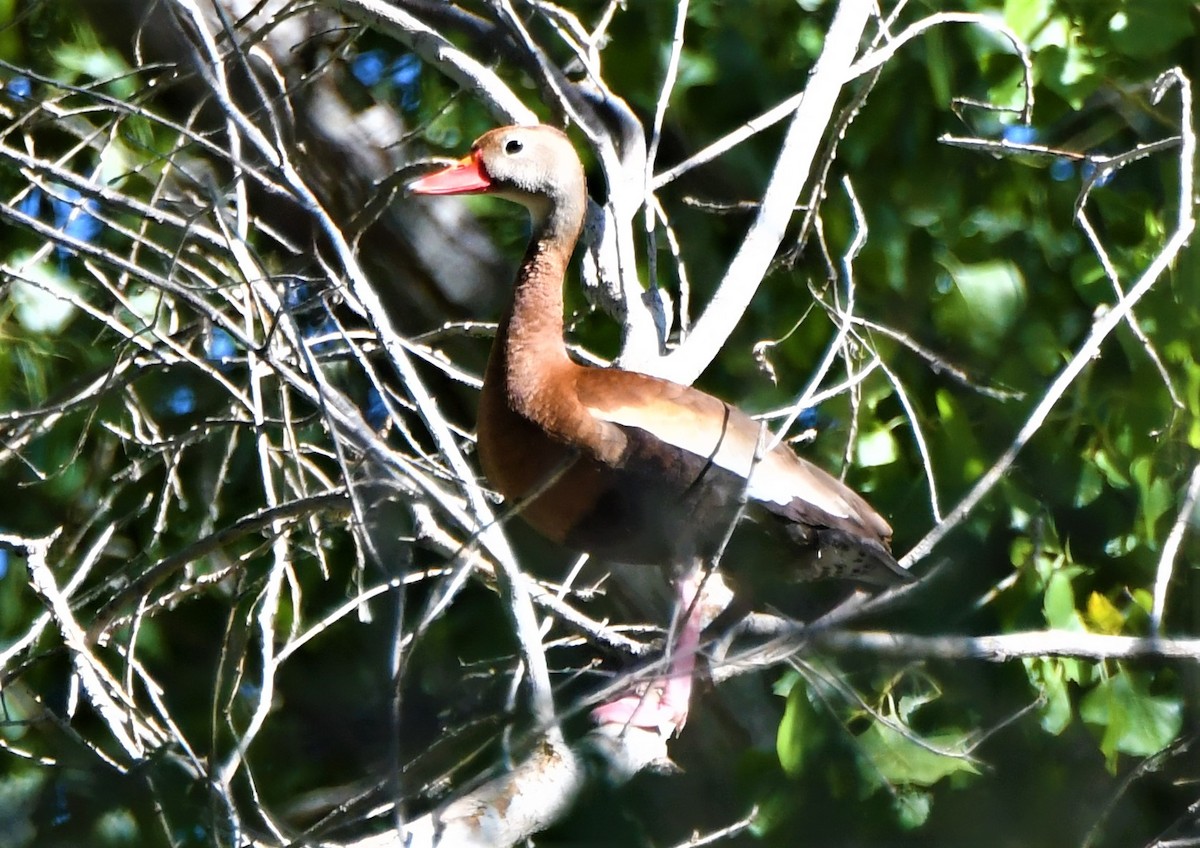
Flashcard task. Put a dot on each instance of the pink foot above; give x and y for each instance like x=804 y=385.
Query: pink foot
x=662 y=705
x=652 y=709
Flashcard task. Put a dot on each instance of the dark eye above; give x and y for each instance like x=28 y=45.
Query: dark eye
x=513 y=145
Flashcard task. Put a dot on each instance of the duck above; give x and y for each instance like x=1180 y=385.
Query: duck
x=628 y=467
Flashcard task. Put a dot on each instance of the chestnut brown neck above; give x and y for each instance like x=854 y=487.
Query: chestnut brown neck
x=530 y=336
x=529 y=345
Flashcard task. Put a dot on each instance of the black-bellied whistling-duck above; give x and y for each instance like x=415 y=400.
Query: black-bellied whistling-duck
x=625 y=466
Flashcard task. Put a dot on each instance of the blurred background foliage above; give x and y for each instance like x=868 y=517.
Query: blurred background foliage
x=973 y=257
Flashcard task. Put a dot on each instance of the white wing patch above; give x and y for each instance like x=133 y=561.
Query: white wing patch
x=777 y=477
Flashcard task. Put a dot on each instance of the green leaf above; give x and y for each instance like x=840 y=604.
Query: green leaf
x=98 y=63
x=695 y=69
x=876 y=448
x=1089 y=487
x=1143 y=30
x=786 y=683
x=43 y=304
x=985 y=303
x=1026 y=17
x=939 y=65
x=794 y=730
x=908 y=704
x=1156 y=496
x=1020 y=551
x=1114 y=475
x=10 y=36
x=912 y=808
x=1059 y=604
x=1143 y=599
x=1049 y=677
x=772 y=811
x=901 y=758
x=1069 y=71
x=1135 y=721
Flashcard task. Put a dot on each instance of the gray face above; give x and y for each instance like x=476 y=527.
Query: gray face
x=538 y=168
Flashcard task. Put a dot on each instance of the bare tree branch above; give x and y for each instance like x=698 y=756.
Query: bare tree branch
x=796 y=155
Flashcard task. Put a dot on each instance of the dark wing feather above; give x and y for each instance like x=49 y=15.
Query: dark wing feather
x=842 y=533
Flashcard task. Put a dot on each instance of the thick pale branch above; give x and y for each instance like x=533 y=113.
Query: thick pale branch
x=1007 y=646
x=796 y=155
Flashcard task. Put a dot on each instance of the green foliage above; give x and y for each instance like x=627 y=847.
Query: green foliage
x=1133 y=719
x=1123 y=705
x=987 y=301
x=897 y=757
x=975 y=263
x=1049 y=678
x=890 y=754
x=798 y=728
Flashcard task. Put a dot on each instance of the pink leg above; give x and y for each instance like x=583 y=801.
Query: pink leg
x=663 y=705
